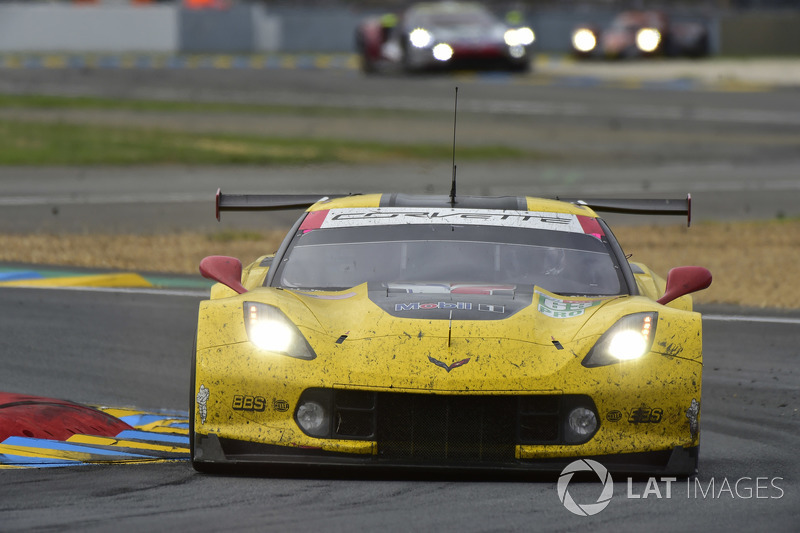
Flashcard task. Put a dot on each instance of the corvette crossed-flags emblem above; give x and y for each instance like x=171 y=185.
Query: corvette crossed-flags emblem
x=448 y=367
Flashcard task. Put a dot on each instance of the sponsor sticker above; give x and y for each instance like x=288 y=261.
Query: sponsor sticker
x=451 y=288
x=249 y=403
x=202 y=400
x=461 y=306
x=416 y=306
x=556 y=308
x=385 y=216
x=645 y=415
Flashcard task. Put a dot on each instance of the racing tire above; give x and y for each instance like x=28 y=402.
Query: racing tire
x=520 y=68
x=368 y=66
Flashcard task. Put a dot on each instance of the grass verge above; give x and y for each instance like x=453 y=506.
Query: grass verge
x=48 y=102
x=61 y=143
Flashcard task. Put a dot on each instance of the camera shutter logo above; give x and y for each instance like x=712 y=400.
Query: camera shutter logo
x=585 y=509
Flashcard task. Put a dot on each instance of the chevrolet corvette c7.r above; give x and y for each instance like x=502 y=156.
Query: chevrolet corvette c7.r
x=497 y=333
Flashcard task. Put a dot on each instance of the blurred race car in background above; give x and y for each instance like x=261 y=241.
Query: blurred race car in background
x=445 y=35
x=641 y=34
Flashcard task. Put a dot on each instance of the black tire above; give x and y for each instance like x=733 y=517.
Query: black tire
x=367 y=65
x=521 y=68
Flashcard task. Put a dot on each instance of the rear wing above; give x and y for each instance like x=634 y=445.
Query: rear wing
x=678 y=207
x=274 y=202
x=267 y=202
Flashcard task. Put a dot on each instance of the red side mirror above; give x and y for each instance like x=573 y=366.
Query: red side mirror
x=225 y=270
x=685 y=280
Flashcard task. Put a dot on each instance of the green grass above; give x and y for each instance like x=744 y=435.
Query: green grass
x=35 y=101
x=60 y=143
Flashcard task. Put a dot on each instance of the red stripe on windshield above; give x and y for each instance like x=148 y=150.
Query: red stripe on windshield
x=591 y=226
x=314 y=220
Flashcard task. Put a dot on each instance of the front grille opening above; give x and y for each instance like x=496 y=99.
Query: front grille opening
x=354 y=424
x=355 y=399
x=538 y=429
x=354 y=414
x=539 y=404
x=425 y=427
x=443 y=428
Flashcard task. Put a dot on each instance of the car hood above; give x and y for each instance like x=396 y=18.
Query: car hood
x=399 y=336
x=448 y=311
x=471 y=33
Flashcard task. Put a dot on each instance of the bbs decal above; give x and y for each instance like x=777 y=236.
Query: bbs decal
x=645 y=415
x=249 y=403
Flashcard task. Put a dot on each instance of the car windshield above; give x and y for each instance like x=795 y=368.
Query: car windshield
x=562 y=262
x=450 y=18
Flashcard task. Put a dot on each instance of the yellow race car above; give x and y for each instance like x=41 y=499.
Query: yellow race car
x=499 y=333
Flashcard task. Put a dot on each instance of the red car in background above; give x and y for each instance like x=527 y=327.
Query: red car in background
x=641 y=34
x=443 y=36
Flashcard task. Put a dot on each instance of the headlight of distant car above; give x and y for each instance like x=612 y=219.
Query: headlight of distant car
x=420 y=37
x=519 y=37
x=629 y=339
x=648 y=39
x=270 y=330
x=442 y=51
x=584 y=40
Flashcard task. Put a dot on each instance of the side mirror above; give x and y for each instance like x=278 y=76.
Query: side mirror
x=685 y=280
x=225 y=270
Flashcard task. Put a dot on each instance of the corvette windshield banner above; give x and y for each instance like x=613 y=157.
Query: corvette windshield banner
x=378 y=216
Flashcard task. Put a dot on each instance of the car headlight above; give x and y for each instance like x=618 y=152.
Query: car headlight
x=526 y=36
x=581 y=424
x=584 y=40
x=420 y=37
x=442 y=51
x=313 y=413
x=313 y=419
x=629 y=339
x=519 y=37
x=270 y=330
x=648 y=39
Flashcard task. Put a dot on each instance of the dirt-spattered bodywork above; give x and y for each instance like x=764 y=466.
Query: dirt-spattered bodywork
x=460 y=373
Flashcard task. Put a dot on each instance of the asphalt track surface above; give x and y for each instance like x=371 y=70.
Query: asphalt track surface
x=124 y=348
x=737 y=153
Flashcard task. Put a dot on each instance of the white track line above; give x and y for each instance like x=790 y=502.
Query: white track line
x=745 y=318
x=129 y=290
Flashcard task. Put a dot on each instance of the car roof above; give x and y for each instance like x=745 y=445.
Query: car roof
x=509 y=203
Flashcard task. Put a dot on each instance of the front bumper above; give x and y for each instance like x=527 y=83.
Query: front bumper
x=489 y=57
x=212 y=453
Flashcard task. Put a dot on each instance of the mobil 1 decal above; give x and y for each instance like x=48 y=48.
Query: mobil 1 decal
x=560 y=308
